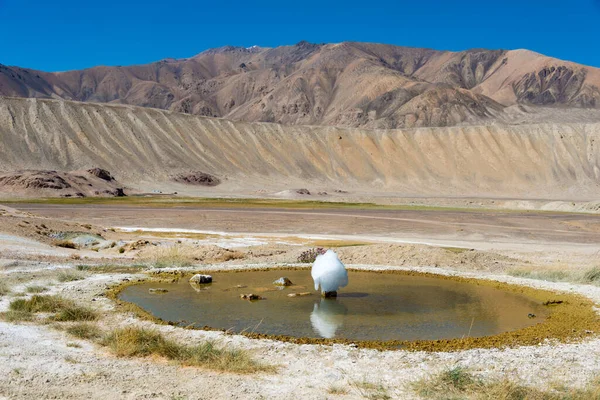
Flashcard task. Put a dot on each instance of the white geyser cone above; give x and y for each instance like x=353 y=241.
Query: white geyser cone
x=329 y=273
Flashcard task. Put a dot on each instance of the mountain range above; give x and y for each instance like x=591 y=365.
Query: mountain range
x=347 y=84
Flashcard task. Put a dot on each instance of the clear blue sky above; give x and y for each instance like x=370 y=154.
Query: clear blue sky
x=72 y=34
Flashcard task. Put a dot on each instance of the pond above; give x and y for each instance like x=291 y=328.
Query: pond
x=373 y=307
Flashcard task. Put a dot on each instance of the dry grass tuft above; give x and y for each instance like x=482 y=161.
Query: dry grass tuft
x=370 y=390
x=36 y=289
x=75 y=313
x=69 y=276
x=132 y=342
x=171 y=256
x=64 y=310
x=85 y=330
x=590 y=276
x=458 y=383
x=17 y=316
x=111 y=269
x=337 y=390
x=38 y=304
x=4 y=289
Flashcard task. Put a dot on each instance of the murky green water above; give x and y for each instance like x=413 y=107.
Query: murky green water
x=372 y=307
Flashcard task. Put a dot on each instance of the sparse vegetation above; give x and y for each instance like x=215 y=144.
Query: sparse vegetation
x=589 y=276
x=17 y=316
x=85 y=330
x=592 y=275
x=65 y=310
x=337 y=390
x=249 y=203
x=458 y=383
x=75 y=313
x=370 y=390
x=108 y=268
x=310 y=255
x=36 y=289
x=456 y=250
x=38 y=303
x=171 y=256
x=69 y=276
x=183 y=255
x=4 y=289
x=139 y=342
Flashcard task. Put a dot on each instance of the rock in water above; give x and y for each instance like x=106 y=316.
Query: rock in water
x=299 y=294
x=199 y=278
x=283 y=281
x=329 y=273
x=251 y=296
x=157 y=290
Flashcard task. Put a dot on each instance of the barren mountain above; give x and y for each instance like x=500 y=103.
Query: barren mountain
x=149 y=149
x=347 y=84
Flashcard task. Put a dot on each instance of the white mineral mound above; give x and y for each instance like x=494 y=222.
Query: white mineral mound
x=328 y=272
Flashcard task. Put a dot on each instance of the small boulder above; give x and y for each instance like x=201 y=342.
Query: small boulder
x=299 y=294
x=199 y=278
x=251 y=296
x=157 y=290
x=101 y=173
x=283 y=281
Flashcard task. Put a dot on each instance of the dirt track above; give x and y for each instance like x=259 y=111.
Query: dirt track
x=477 y=229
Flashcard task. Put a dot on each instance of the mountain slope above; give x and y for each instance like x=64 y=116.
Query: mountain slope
x=347 y=84
x=147 y=148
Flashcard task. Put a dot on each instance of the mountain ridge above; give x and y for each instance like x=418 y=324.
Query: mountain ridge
x=349 y=84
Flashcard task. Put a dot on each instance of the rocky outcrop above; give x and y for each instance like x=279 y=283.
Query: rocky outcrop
x=559 y=85
x=197 y=178
x=101 y=173
x=201 y=279
x=91 y=183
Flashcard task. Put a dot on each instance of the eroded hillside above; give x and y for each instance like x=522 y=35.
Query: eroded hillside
x=142 y=145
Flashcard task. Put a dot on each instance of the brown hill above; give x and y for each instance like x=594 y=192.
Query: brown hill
x=347 y=84
x=148 y=149
x=94 y=182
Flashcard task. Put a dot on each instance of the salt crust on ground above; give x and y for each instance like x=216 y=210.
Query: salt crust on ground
x=37 y=363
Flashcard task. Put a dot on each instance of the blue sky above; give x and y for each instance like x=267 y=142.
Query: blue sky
x=62 y=35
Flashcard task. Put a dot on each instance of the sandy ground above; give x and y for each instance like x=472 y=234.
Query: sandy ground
x=485 y=230
x=39 y=361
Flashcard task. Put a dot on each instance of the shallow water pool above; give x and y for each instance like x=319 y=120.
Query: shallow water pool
x=373 y=307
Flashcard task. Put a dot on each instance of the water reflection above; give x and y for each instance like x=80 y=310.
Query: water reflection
x=327 y=317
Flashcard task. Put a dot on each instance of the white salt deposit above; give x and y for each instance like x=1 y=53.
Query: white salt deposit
x=328 y=272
